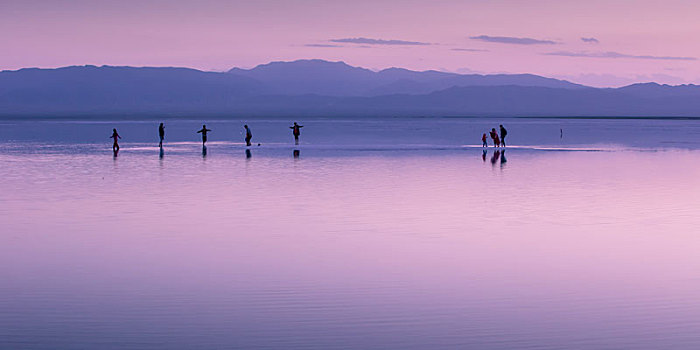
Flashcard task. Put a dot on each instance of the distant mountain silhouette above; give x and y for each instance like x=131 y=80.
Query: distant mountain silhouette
x=482 y=101
x=654 y=90
x=92 y=90
x=339 y=79
x=321 y=88
x=311 y=77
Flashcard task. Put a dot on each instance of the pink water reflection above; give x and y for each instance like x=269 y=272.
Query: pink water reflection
x=549 y=249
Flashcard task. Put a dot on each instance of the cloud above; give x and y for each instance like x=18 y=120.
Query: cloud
x=369 y=41
x=590 y=40
x=469 y=50
x=512 y=40
x=612 y=54
x=322 y=45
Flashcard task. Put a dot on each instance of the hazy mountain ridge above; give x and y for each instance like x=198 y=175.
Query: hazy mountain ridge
x=655 y=90
x=90 y=89
x=321 y=88
x=340 y=79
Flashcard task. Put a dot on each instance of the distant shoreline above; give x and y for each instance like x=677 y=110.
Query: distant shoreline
x=322 y=89
x=111 y=117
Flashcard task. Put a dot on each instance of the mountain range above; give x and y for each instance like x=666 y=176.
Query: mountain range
x=322 y=88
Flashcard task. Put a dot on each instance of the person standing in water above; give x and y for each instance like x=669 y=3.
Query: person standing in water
x=494 y=137
x=483 y=140
x=161 y=134
x=115 y=136
x=295 y=130
x=204 y=132
x=248 y=135
x=504 y=132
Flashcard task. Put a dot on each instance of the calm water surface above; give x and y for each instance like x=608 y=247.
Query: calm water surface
x=392 y=234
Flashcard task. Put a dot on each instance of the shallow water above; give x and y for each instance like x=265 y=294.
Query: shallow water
x=402 y=237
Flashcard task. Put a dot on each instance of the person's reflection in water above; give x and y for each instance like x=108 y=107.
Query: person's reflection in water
x=483 y=155
x=204 y=151
x=503 y=158
x=161 y=153
x=248 y=154
x=116 y=152
x=495 y=157
x=296 y=153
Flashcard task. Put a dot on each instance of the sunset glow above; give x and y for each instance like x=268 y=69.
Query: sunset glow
x=600 y=43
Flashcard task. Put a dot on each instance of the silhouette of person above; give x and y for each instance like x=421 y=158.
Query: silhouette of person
x=561 y=133
x=503 y=157
x=504 y=132
x=161 y=134
x=248 y=154
x=494 y=137
x=295 y=153
x=483 y=140
x=204 y=132
x=483 y=155
x=295 y=130
x=248 y=135
x=115 y=136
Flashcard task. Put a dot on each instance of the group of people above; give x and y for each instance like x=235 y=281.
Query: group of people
x=497 y=141
x=248 y=135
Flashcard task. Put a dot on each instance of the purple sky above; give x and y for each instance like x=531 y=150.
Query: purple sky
x=596 y=42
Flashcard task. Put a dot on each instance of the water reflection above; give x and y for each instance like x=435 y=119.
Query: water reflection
x=351 y=255
x=161 y=153
x=494 y=158
x=248 y=154
x=204 y=151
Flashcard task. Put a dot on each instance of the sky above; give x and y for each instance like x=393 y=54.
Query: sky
x=594 y=42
